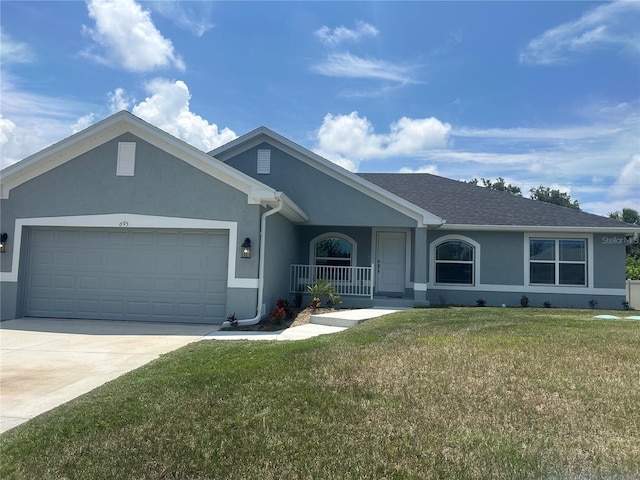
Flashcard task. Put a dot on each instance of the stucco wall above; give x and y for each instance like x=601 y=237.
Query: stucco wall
x=162 y=186
x=325 y=200
x=281 y=240
x=609 y=265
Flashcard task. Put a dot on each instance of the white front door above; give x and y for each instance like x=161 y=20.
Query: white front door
x=391 y=251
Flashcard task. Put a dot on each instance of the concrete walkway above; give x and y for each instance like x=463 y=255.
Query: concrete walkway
x=295 y=333
x=320 y=324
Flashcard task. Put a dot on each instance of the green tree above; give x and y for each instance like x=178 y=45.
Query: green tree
x=500 y=185
x=545 y=194
x=628 y=215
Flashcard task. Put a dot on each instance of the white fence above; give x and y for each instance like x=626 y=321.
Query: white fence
x=633 y=293
x=345 y=280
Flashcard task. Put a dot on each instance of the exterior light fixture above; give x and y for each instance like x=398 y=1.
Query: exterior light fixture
x=245 y=248
x=3 y=242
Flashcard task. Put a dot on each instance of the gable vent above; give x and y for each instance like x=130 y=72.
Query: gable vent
x=264 y=162
x=126 y=159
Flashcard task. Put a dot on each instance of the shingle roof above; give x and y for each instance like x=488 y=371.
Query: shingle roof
x=462 y=203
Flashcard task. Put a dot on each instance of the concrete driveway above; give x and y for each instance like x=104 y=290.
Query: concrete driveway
x=47 y=362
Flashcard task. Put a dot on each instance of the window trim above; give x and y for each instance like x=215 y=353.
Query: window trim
x=588 y=262
x=475 y=263
x=327 y=235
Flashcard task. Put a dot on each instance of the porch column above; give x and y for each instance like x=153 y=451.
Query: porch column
x=420 y=262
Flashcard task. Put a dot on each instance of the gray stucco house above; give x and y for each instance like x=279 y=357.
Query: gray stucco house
x=124 y=221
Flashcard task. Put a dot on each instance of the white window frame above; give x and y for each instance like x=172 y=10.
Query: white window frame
x=325 y=236
x=588 y=260
x=475 y=263
x=547 y=287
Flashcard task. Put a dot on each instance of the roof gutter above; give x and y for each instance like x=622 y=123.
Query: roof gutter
x=263 y=242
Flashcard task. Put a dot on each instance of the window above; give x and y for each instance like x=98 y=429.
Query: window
x=558 y=261
x=333 y=251
x=455 y=262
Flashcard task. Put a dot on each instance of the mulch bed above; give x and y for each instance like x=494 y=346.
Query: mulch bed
x=299 y=317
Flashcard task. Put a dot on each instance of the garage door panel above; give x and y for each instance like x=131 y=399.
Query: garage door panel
x=39 y=281
x=43 y=237
x=42 y=258
x=90 y=259
x=214 y=286
x=88 y=283
x=65 y=282
x=165 y=285
x=88 y=306
x=151 y=275
x=64 y=306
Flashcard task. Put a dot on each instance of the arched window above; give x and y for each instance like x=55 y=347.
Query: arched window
x=333 y=250
x=454 y=262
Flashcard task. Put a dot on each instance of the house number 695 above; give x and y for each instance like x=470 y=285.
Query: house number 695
x=124 y=223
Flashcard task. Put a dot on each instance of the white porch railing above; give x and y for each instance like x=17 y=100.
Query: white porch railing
x=345 y=280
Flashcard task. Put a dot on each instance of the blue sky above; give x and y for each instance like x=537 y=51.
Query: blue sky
x=540 y=93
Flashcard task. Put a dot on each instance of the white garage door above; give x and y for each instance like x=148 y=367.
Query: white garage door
x=127 y=274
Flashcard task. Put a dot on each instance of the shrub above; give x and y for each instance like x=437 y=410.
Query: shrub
x=547 y=304
x=481 y=302
x=593 y=304
x=321 y=292
x=524 y=301
x=233 y=320
x=281 y=311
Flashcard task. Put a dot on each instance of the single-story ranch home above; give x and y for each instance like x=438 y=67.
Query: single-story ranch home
x=123 y=221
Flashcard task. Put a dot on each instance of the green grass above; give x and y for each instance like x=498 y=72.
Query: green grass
x=430 y=393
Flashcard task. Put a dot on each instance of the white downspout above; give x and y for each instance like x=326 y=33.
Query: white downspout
x=263 y=242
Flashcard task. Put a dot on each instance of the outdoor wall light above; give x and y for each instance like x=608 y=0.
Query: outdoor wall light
x=245 y=248
x=3 y=242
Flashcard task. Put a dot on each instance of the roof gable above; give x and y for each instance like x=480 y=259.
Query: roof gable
x=261 y=135
x=123 y=122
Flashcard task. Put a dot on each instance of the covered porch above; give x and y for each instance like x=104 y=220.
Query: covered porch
x=367 y=266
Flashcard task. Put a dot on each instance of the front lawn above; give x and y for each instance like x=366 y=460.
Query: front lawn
x=429 y=393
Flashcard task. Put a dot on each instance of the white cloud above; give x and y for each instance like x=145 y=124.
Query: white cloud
x=31 y=121
x=129 y=38
x=628 y=183
x=345 y=65
x=167 y=107
x=14 y=51
x=84 y=122
x=542 y=134
x=351 y=138
x=119 y=100
x=6 y=129
x=342 y=34
x=190 y=16
x=612 y=25
x=432 y=169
